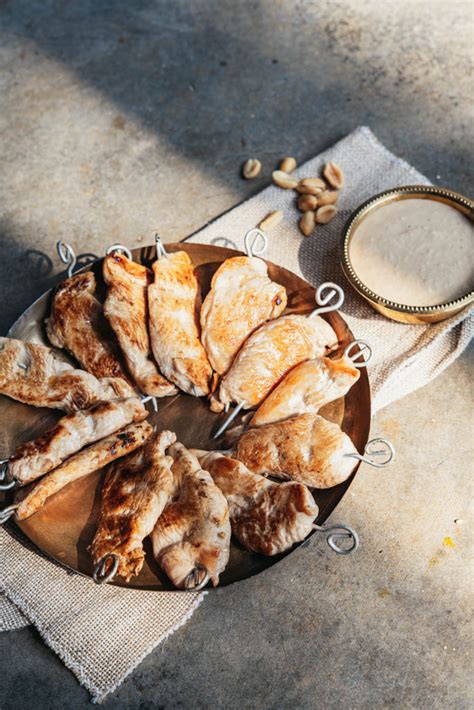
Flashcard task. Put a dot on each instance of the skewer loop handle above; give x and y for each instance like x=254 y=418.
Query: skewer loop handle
x=100 y=574
x=160 y=249
x=120 y=248
x=336 y=534
x=7 y=513
x=365 y=351
x=196 y=579
x=251 y=242
x=387 y=450
x=67 y=255
x=324 y=300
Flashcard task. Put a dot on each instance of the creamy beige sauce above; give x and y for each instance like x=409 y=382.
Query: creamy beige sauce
x=415 y=252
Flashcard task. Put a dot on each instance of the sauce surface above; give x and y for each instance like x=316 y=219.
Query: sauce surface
x=417 y=252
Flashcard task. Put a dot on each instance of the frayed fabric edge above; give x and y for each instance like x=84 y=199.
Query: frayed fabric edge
x=97 y=694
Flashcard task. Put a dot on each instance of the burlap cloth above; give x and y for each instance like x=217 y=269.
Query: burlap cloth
x=94 y=629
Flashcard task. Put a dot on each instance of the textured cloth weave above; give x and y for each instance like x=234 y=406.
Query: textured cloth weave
x=405 y=356
x=94 y=629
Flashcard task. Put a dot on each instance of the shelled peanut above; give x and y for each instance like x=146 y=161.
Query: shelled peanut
x=317 y=196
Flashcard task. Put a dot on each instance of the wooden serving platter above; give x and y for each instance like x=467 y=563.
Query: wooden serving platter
x=64 y=528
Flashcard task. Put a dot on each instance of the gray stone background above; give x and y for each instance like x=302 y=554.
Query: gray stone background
x=119 y=118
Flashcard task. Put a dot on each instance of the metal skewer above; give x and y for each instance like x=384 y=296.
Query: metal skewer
x=196 y=579
x=339 y=532
x=324 y=306
x=120 y=248
x=7 y=513
x=324 y=300
x=67 y=255
x=365 y=351
x=251 y=240
x=153 y=400
x=387 y=450
x=255 y=242
x=100 y=574
x=3 y=474
x=228 y=420
x=160 y=249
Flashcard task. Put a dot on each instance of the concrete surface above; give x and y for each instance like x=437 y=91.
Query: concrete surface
x=119 y=118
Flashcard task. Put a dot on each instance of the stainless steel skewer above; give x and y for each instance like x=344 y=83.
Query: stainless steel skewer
x=100 y=574
x=160 y=249
x=323 y=300
x=120 y=248
x=365 y=351
x=196 y=579
x=7 y=513
x=251 y=240
x=3 y=474
x=339 y=532
x=387 y=450
x=67 y=255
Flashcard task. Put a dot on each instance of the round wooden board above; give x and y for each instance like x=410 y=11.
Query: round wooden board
x=64 y=528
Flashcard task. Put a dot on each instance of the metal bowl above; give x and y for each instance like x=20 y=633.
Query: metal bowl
x=391 y=309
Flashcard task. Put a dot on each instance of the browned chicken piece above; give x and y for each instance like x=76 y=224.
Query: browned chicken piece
x=191 y=540
x=306 y=388
x=134 y=494
x=77 y=324
x=265 y=516
x=70 y=435
x=174 y=302
x=82 y=464
x=307 y=448
x=126 y=309
x=268 y=354
x=31 y=373
x=241 y=298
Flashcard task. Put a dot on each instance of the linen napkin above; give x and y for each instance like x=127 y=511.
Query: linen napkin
x=93 y=629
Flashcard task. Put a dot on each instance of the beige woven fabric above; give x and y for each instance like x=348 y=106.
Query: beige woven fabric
x=94 y=629
x=101 y=633
x=11 y=617
x=405 y=356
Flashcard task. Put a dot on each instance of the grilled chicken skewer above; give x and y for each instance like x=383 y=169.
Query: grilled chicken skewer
x=82 y=464
x=174 y=302
x=31 y=373
x=192 y=537
x=134 y=495
x=70 y=435
x=241 y=298
x=306 y=388
x=265 y=516
x=268 y=354
x=306 y=448
x=77 y=323
x=126 y=310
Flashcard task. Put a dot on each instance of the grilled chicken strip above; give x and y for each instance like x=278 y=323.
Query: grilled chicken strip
x=265 y=516
x=77 y=323
x=306 y=388
x=192 y=537
x=70 y=435
x=126 y=310
x=241 y=298
x=32 y=374
x=307 y=448
x=82 y=464
x=174 y=302
x=134 y=494
x=268 y=354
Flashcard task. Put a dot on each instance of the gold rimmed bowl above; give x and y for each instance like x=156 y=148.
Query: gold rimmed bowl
x=397 y=311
